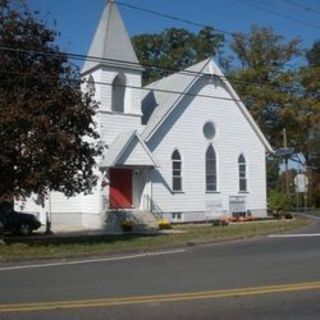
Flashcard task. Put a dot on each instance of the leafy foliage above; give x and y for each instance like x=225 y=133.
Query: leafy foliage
x=279 y=95
x=310 y=80
x=174 y=49
x=47 y=134
x=279 y=202
x=313 y=55
x=262 y=78
x=273 y=174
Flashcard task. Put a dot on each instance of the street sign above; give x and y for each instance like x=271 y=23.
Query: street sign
x=301 y=182
x=284 y=152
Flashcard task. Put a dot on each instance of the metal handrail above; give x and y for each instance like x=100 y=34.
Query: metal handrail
x=151 y=206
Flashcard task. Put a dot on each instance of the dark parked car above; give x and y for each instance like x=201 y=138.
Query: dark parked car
x=16 y=222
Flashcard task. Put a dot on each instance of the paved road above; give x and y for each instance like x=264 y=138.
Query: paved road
x=266 y=278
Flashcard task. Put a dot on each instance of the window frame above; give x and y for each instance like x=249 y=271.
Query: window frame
x=214 y=173
x=176 y=171
x=213 y=127
x=242 y=173
x=91 y=86
x=119 y=90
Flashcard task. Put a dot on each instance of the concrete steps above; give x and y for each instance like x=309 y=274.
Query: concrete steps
x=143 y=221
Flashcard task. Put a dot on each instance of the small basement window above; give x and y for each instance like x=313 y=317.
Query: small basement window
x=177 y=216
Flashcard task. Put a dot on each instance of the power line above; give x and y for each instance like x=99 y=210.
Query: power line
x=119 y=63
x=176 y=18
x=146 y=88
x=279 y=14
x=134 y=87
x=171 y=17
x=296 y=4
x=98 y=59
x=197 y=24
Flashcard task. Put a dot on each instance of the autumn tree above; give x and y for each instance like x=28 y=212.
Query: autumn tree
x=174 y=49
x=47 y=134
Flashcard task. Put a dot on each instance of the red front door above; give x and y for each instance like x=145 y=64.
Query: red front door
x=120 y=188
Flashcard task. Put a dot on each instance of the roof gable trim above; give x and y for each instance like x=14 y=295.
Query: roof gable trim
x=177 y=101
x=135 y=135
x=211 y=68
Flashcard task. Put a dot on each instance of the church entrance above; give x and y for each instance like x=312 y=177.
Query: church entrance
x=120 y=188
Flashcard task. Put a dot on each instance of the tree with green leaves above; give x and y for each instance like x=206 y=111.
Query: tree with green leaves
x=268 y=82
x=47 y=133
x=310 y=80
x=273 y=173
x=264 y=79
x=174 y=49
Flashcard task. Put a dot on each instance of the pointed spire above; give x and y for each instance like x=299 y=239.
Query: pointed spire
x=111 y=42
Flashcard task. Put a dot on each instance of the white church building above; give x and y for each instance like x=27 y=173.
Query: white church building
x=184 y=147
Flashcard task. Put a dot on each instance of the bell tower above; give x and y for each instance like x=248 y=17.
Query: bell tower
x=114 y=68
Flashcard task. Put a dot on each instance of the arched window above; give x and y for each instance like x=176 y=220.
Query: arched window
x=91 y=88
x=211 y=169
x=118 y=93
x=176 y=171
x=242 y=173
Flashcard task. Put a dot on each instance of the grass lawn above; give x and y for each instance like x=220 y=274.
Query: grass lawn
x=98 y=245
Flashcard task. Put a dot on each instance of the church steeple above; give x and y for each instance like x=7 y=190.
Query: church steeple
x=111 y=42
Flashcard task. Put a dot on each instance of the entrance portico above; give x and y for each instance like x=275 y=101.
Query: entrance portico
x=128 y=186
x=127 y=164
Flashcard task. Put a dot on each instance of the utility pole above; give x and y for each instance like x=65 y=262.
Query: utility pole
x=287 y=178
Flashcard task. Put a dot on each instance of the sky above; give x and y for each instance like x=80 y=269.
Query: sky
x=76 y=20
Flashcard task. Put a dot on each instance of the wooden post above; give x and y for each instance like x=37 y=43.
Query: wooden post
x=287 y=178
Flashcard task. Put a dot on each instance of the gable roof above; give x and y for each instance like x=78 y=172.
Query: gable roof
x=165 y=102
x=111 y=42
x=182 y=82
x=124 y=145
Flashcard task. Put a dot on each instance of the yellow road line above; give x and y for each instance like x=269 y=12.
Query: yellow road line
x=173 y=297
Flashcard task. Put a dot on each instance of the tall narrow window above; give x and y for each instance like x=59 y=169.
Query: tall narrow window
x=118 y=93
x=91 y=89
x=176 y=171
x=211 y=169
x=242 y=173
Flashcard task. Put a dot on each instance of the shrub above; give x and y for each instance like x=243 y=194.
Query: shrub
x=279 y=203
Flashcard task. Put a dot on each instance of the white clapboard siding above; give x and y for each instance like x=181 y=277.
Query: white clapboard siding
x=111 y=124
x=132 y=96
x=135 y=155
x=183 y=130
x=80 y=203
